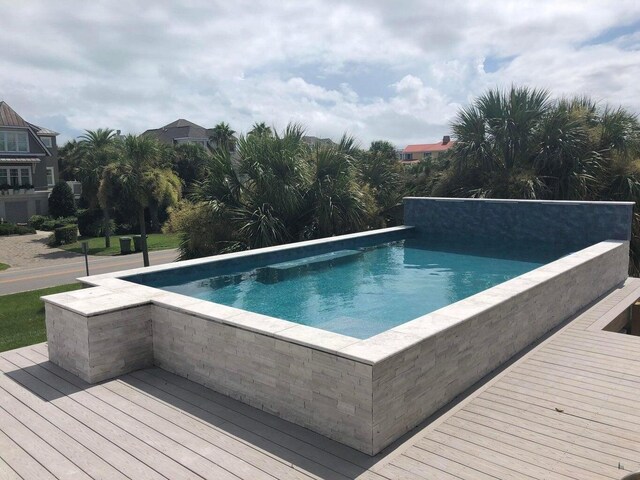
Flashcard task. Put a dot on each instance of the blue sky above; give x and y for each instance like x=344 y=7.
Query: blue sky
x=372 y=68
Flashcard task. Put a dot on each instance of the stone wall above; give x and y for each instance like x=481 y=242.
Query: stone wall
x=413 y=384
x=95 y=340
x=318 y=390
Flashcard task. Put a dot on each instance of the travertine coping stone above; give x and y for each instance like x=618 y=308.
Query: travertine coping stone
x=364 y=393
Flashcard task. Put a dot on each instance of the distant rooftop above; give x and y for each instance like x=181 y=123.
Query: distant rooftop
x=442 y=146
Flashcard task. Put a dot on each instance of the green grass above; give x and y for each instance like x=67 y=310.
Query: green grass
x=22 y=317
x=155 y=241
x=3 y=266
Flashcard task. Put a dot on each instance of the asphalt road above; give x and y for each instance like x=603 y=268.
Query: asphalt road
x=21 y=279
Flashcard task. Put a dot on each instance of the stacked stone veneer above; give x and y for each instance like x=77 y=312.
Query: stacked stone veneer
x=318 y=390
x=364 y=393
x=481 y=333
x=95 y=341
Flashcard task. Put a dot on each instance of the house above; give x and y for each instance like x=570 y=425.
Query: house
x=181 y=131
x=425 y=151
x=28 y=166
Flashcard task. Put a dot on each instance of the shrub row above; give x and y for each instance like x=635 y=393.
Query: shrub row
x=66 y=235
x=11 y=229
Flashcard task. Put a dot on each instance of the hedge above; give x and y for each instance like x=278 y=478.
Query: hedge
x=11 y=229
x=66 y=235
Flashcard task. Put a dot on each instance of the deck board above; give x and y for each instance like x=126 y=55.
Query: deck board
x=566 y=409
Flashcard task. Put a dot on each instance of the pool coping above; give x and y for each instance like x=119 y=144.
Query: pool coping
x=112 y=293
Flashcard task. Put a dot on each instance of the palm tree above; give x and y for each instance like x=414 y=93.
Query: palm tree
x=96 y=149
x=337 y=202
x=275 y=175
x=379 y=169
x=223 y=137
x=260 y=129
x=521 y=144
x=189 y=161
x=142 y=177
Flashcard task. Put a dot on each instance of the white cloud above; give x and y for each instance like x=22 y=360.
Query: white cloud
x=84 y=65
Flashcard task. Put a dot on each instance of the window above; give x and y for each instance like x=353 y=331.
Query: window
x=14 y=142
x=47 y=141
x=15 y=176
x=51 y=179
x=426 y=155
x=407 y=156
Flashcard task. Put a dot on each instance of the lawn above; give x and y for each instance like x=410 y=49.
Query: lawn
x=22 y=317
x=3 y=266
x=155 y=241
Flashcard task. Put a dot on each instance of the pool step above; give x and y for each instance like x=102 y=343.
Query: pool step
x=280 y=271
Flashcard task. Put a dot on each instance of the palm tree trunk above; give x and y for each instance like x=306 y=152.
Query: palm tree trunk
x=143 y=235
x=107 y=228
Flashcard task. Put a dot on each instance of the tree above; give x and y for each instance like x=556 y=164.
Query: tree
x=142 y=177
x=380 y=170
x=189 y=161
x=96 y=149
x=223 y=137
x=260 y=129
x=281 y=190
x=68 y=159
x=337 y=202
x=522 y=144
x=61 y=201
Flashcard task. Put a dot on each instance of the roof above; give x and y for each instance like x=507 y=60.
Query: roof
x=42 y=130
x=311 y=140
x=428 y=147
x=180 y=128
x=9 y=117
x=181 y=122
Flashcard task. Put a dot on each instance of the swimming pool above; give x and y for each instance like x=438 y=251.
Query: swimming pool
x=362 y=388
x=361 y=292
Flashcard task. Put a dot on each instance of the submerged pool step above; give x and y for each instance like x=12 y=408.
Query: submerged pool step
x=281 y=271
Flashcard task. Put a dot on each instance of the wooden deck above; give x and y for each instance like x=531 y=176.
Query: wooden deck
x=568 y=409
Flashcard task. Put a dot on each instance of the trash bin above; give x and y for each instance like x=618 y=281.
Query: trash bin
x=125 y=245
x=137 y=243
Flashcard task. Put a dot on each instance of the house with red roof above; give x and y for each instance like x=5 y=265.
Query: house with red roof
x=424 y=151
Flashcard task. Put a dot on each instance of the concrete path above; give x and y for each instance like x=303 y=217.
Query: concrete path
x=58 y=269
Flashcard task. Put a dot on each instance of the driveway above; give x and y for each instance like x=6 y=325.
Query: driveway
x=35 y=266
x=26 y=250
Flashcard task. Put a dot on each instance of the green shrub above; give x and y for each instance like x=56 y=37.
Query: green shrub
x=52 y=223
x=36 y=221
x=91 y=223
x=67 y=234
x=24 y=230
x=61 y=201
x=7 y=229
x=11 y=229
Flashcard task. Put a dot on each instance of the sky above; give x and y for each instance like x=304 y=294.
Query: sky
x=375 y=69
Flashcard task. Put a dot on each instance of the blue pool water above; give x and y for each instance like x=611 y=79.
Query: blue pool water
x=361 y=292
